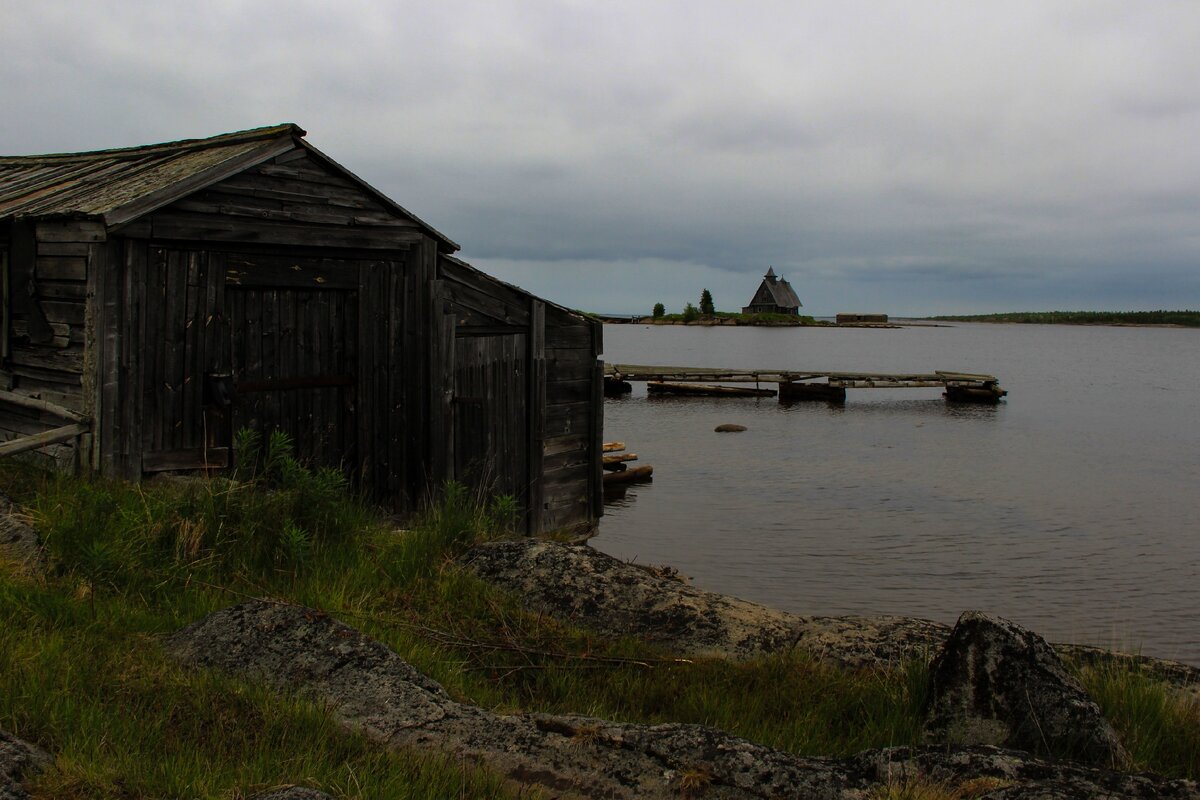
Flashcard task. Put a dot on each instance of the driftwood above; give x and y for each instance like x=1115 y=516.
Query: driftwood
x=614 y=447
x=618 y=458
x=39 y=440
x=706 y=390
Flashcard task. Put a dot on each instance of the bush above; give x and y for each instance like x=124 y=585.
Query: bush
x=690 y=313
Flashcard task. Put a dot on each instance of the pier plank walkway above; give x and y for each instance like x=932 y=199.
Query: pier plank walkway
x=968 y=386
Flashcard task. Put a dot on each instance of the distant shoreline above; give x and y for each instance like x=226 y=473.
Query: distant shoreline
x=1129 y=319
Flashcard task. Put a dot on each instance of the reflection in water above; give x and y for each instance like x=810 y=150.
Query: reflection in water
x=1068 y=508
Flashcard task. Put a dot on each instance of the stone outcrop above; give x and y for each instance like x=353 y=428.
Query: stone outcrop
x=292 y=793
x=597 y=591
x=18 y=761
x=994 y=682
x=371 y=689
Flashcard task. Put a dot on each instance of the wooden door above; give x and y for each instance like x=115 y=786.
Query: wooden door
x=295 y=367
x=491 y=414
x=182 y=340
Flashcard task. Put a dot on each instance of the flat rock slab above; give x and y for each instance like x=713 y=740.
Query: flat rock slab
x=994 y=682
x=18 y=761
x=370 y=688
x=597 y=591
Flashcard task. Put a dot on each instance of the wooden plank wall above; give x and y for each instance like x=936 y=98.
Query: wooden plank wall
x=573 y=421
x=48 y=289
x=293 y=198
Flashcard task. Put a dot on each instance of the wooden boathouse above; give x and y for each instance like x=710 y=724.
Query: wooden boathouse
x=157 y=299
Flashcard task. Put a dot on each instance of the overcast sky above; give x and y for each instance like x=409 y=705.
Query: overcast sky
x=907 y=157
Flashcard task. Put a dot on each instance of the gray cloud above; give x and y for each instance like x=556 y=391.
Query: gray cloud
x=915 y=157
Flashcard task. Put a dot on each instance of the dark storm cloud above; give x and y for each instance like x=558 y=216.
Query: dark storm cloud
x=918 y=157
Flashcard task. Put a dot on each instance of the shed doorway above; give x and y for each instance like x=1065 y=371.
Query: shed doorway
x=295 y=368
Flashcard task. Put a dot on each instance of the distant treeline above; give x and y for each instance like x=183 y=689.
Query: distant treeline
x=1189 y=318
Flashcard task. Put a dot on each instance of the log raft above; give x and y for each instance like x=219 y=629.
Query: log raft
x=616 y=469
x=825 y=385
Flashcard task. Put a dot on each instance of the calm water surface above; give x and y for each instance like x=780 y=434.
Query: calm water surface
x=1072 y=508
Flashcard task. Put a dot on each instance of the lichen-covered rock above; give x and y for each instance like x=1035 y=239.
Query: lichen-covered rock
x=597 y=591
x=371 y=689
x=18 y=761
x=994 y=773
x=995 y=682
x=292 y=793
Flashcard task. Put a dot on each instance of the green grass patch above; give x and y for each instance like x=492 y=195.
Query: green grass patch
x=82 y=676
x=1160 y=725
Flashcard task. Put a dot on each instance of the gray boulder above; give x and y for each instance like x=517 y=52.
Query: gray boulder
x=996 y=683
x=18 y=760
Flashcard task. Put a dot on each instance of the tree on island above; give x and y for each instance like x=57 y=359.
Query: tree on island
x=706 y=304
x=659 y=310
x=690 y=313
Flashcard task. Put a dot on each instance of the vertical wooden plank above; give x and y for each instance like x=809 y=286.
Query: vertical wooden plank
x=367 y=300
x=155 y=347
x=235 y=308
x=395 y=400
x=536 y=403
x=216 y=350
x=175 y=336
x=595 y=461
x=350 y=412
x=133 y=378
x=191 y=380
x=93 y=325
x=288 y=356
x=321 y=366
x=5 y=304
x=109 y=418
x=268 y=332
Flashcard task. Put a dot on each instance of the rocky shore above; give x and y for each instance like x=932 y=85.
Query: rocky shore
x=371 y=689
x=1004 y=718
x=597 y=591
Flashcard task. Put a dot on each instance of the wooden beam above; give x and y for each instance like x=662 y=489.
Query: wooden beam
x=39 y=440
x=34 y=404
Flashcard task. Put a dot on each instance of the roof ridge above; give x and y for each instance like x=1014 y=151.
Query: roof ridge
x=182 y=145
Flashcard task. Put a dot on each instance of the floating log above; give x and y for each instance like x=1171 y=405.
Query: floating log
x=705 y=390
x=988 y=394
x=614 y=447
x=616 y=463
x=791 y=391
x=635 y=475
x=614 y=387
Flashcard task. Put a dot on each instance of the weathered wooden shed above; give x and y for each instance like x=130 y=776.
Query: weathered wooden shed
x=157 y=299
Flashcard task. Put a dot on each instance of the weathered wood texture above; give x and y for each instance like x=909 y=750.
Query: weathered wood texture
x=293 y=199
x=289 y=296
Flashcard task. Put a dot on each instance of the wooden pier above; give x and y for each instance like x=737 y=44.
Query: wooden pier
x=827 y=385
